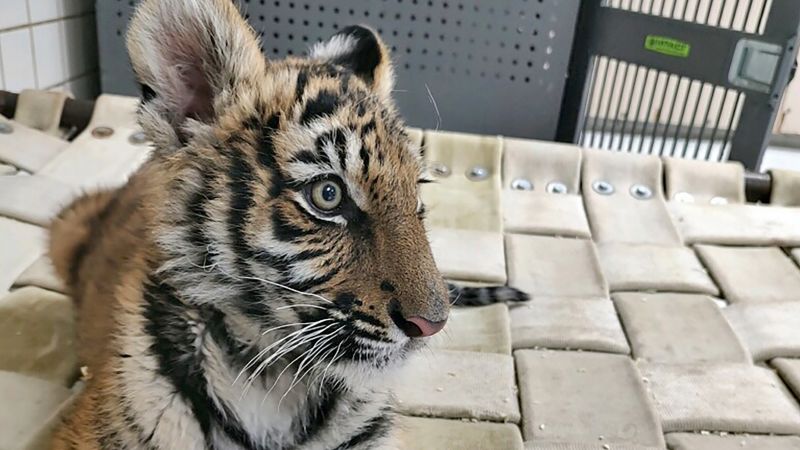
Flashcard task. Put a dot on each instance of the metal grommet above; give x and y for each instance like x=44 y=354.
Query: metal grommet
x=440 y=170
x=478 y=173
x=6 y=128
x=521 y=184
x=556 y=187
x=641 y=192
x=102 y=132
x=718 y=201
x=683 y=197
x=603 y=187
x=137 y=138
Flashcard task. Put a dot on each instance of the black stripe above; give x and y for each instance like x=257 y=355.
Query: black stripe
x=365 y=160
x=181 y=363
x=342 y=153
x=324 y=105
x=366 y=318
x=275 y=262
x=372 y=336
x=306 y=156
x=371 y=431
x=306 y=285
x=308 y=254
x=197 y=218
x=328 y=136
x=266 y=154
x=335 y=137
x=252 y=123
x=173 y=346
x=340 y=141
x=283 y=229
x=300 y=86
x=369 y=127
x=240 y=178
x=281 y=262
x=236 y=351
x=321 y=411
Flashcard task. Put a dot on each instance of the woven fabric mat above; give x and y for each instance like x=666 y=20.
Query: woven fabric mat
x=659 y=319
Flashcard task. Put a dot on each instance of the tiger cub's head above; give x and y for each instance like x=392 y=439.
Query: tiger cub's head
x=292 y=192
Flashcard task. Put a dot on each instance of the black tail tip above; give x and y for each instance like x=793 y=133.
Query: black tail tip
x=516 y=295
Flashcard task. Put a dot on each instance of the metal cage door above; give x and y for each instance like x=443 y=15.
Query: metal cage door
x=699 y=79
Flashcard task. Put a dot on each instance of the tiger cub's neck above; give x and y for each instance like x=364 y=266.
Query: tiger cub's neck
x=186 y=376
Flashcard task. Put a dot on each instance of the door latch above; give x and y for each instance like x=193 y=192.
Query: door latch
x=755 y=64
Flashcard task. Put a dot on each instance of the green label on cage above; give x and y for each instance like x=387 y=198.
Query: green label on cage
x=667 y=46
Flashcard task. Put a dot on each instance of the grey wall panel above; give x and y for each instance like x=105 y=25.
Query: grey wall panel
x=491 y=66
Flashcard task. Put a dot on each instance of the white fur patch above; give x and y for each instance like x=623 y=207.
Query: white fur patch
x=333 y=48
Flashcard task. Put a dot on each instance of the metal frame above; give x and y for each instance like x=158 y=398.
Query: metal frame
x=620 y=34
x=75 y=115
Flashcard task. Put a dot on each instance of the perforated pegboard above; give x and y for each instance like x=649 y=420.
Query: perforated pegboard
x=491 y=67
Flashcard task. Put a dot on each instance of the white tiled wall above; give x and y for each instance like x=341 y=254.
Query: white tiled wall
x=48 y=44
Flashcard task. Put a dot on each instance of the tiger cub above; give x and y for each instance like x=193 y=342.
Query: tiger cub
x=256 y=280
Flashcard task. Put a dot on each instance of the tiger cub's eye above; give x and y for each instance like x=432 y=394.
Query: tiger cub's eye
x=326 y=195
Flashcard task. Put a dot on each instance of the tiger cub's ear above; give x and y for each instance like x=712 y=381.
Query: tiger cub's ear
x=361 y=50
x=192 y=57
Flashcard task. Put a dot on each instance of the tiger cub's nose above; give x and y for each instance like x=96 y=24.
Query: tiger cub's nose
x=416 y=326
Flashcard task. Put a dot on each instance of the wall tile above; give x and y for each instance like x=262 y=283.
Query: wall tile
x=13 y=13
x=50 y=59
x=17 y=54
x=52 y=45
x=43 y=10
